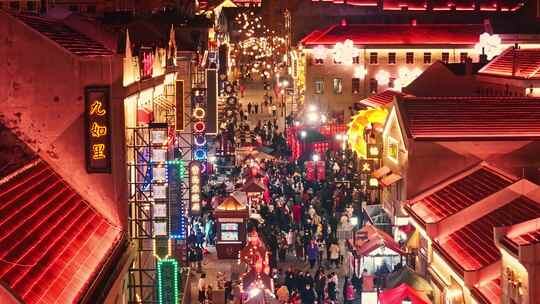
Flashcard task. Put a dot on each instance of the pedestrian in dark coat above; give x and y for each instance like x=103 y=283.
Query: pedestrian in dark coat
x=308 y=295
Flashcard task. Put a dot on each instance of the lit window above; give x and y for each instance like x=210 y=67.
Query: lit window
x=463 y=57
x=373 y=58
x=356 y=60
x=392 y=149
x=356 y=85
x=338 y=86
x=445 y=57
x=319 y=61
x=373 y=85
x=392 y=58
x=427 y=58
x=409 y=58
x=319 y=86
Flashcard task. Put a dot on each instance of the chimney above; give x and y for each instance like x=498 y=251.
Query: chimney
x=483 y=57
x=413 y=22
x=468 y=67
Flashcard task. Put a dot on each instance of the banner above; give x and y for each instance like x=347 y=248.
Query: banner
x=97 y=129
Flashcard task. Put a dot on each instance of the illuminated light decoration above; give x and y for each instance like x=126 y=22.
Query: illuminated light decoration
x=167 y=281
x=319 y=52
x=199 y=127
x=490 y=45
x=357 y=126
x=344 y=52
x=200 y=154
x=98 y=137
x=195 y=171
x=155 y=249
x=200 y=140
x=373 y=182
x=360 y=72
x=382 y=77
x=199 y=113
x=204 y=167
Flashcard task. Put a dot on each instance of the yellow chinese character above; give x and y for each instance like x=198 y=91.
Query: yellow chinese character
x=97 y=108
x=97 y=131
x=366 y=167
x=98 y=151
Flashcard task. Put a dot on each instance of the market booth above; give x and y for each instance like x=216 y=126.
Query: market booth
x=254 y=192
x=402 y=294
x=377 y=250
x=231 y=217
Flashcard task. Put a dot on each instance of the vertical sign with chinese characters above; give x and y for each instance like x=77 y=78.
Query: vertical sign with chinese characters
x=97 y=129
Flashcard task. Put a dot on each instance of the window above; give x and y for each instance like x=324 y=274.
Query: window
x=463 y=57
x=319 y=61
x=31 y=5
x=338 y=85
x=91 y=9
x=392 y=58
x=356 y=60
x=392 y=149
x=373 y=58
x=427 y=58
x=373 y=85
x=445 y=57
x=74 y=8
x=319 y=86
x=356 y=85
x=409 y=58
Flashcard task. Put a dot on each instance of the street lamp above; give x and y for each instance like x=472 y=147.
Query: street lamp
x=316 y=157
x=303 y=134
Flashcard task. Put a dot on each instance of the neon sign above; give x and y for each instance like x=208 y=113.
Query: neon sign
x=97 y=129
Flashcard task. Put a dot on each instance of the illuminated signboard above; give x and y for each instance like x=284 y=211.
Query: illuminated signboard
x=179 y=105
x=195 y=187
x=167 y=281
x=97 y=129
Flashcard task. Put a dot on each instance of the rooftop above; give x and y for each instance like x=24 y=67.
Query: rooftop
x=381 y=99
x=461 y=193
x=71 y=40
x=401 y=34
x=479 y=118
x=515 y=63
x=53 y=243
x=489 y=292
x=436 y=5
x=473 y=246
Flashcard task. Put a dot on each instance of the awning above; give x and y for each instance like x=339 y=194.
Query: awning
x=390 y=179
x=382 y=171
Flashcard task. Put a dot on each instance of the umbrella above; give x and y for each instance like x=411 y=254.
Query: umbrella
x=312 y=136
x=408 y=276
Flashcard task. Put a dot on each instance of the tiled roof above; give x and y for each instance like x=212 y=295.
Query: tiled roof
x=71 y=40
x=440 y=118
x=489 y=292
x=381 y=99
x=52 y=243
x=400 y=34
x=473 y=246
x=516 y=63
x=437 y=5
x=375 y=239
x=458 y=195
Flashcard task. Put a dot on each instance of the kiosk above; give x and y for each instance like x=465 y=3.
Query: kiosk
x=231 y=218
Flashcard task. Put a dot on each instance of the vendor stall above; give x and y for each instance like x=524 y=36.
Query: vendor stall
x=254 y=192
x=377 y=251
x=231 y=217
x=402 y=294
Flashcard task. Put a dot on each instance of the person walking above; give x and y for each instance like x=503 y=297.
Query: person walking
x=202 y=287
x=256 y=108
x=312 y=253
x=349 y=293
x=334 y=254
x=308 y=295
x=283 y=294
x=249 y=107
x=274 y=110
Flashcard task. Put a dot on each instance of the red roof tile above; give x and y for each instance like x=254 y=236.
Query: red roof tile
x=401 y=34
x=460 y=5
x=516 y=63
x=382 y=99
x=450 y=118
x=458 y=195
x=490 y=292
x=473 y=246
x=66 y=37
x=375 y=239
x=52 y=243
